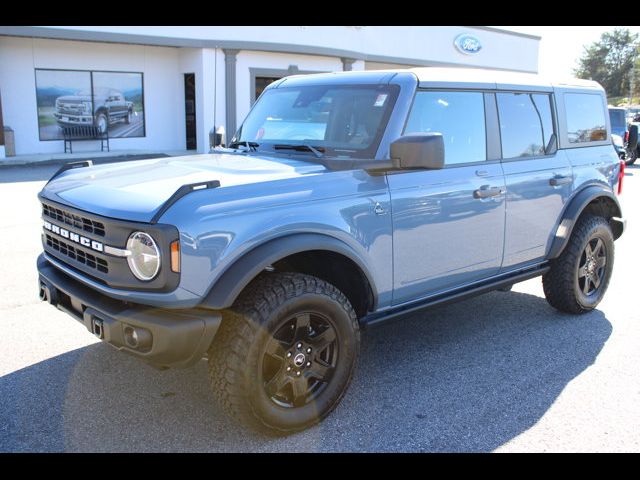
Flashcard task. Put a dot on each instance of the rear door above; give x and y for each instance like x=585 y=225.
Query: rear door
x=538 y=176
x=448 y=224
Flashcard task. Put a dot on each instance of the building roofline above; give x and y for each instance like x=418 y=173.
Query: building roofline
x=160 y=41
x=509 y=32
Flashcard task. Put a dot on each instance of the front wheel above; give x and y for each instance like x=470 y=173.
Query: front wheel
x=285 y=353
x=579 y=277
x=102 y=122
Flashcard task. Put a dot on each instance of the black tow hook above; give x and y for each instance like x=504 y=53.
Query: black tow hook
x=48 y=294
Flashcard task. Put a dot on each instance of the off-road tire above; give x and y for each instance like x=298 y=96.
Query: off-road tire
x=236 y=352
x=561 y=285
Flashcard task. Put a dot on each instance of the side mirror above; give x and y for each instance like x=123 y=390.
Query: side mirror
x=418 y=151
x=633 y=137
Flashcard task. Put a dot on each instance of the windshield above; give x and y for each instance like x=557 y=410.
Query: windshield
x=618 y=119
x=343 y=120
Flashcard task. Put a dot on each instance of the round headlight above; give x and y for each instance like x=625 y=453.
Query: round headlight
x=144 y=260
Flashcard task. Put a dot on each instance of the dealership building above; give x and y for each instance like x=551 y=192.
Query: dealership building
x=165 y=88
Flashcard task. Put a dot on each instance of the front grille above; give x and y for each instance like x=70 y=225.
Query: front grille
x=73 y=220
x=70 y=110
x=77 y=254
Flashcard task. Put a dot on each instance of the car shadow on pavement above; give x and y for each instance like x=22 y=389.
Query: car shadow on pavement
x=464 y=377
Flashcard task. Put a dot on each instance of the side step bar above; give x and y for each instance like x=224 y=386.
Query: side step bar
x=451 y=297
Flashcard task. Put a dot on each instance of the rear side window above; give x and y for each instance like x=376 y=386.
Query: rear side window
x=585 y=117
x=459 y=117
x=526 y=124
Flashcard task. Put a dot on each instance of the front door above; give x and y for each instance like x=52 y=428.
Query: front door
x=448 y=224
x=539 y=177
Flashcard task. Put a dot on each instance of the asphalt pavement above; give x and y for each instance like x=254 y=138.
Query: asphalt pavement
x=500 y=372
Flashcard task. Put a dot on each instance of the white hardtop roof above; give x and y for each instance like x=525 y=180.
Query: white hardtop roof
x=480 y=75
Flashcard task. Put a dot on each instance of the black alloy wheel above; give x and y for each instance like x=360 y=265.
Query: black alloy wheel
x=300 y=359
x=592 y=267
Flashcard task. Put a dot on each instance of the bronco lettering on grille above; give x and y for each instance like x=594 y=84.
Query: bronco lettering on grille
x=74 y=237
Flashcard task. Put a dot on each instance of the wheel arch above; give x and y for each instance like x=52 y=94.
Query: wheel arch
x=595 y=199
x=287 y=253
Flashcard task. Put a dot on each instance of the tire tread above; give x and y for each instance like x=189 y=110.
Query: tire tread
x=228 y=366
x=557 y=283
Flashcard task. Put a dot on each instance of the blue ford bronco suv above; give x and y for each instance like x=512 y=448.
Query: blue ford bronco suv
x=343 y=200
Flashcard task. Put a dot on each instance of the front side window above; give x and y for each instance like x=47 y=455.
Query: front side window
x=458 y=116
x=585 y=117
x=340 y=120
x=526 y=125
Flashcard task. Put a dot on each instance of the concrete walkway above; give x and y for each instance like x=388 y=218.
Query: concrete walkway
x=113 y=155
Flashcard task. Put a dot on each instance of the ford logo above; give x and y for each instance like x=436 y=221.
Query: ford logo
x=467 y=43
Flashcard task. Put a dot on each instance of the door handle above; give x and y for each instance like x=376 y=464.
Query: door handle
x=487 y=192
x=559 y=180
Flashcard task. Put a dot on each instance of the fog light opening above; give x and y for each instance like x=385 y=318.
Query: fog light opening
x=137 y=338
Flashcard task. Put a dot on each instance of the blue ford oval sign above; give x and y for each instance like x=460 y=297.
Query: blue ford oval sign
x=467 y=43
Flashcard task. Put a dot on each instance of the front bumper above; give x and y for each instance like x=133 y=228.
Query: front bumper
x=163 y=338
x=73 y=119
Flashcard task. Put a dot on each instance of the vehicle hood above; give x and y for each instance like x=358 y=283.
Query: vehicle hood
x=136 y=190
x=75 y=98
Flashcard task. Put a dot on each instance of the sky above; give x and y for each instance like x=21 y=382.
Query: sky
x=560 y=47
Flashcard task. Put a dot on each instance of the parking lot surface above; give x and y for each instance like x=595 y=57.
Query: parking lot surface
x=500 y=372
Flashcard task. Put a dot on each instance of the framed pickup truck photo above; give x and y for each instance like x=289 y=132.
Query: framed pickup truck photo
x=111 y=101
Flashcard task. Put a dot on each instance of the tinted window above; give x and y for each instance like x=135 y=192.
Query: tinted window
x=618 y=119
x=526 y=125
x=585 y=117
x=459 y=116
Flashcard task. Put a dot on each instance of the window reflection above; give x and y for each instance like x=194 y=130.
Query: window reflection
x=459 y=116
x=585 y=117
x=526 y=125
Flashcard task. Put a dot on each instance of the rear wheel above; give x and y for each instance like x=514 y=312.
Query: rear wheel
x=579 y=277
x=632 y=156
x=285 y=353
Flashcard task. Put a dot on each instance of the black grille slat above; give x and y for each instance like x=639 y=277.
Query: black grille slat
x=77 y=254
x=83 y=223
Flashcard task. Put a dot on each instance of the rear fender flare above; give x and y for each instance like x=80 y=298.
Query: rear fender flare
x=573 y=211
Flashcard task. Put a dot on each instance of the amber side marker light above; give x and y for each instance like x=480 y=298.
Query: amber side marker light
x=175 y=256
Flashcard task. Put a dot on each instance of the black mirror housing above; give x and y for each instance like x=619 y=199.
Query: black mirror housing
x=418 y=151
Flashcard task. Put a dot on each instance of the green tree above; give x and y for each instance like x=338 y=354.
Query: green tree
x=610 y=61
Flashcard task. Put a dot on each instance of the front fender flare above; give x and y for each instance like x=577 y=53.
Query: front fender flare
x=229 y=285
x=573 y=211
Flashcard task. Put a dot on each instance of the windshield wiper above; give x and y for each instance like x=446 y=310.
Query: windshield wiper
x=250 y=145
x=317 y=151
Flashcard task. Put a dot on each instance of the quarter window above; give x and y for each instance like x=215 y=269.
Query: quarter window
x=585 y=117
x=526 y=125
x=459 y=117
